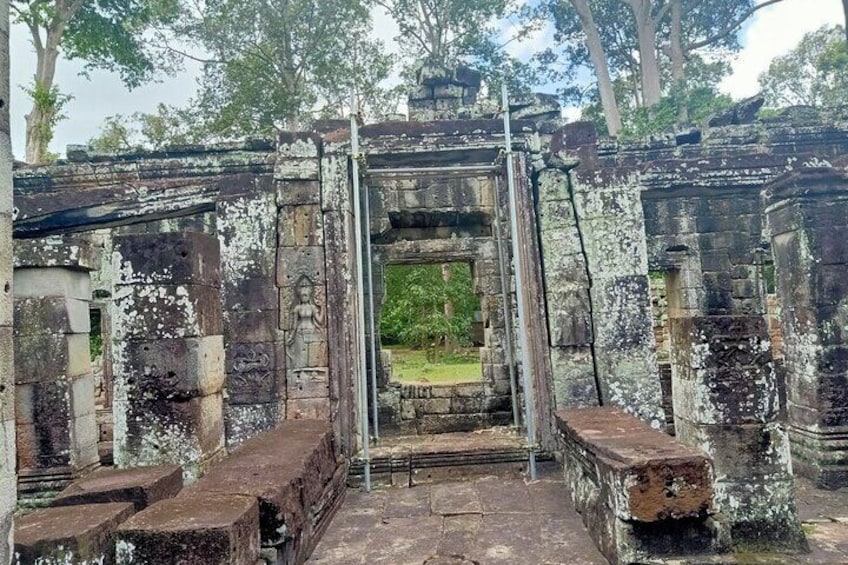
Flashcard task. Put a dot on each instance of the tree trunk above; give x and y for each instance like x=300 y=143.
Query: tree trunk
x=845 y=8
x=599 y=62
x=448 y=309
x=678 y=60
x=646 y=32
x=39 y=130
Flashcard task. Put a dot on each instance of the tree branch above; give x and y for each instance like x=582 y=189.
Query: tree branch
x=729 y=29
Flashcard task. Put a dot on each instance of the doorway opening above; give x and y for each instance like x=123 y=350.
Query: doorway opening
x=431 y=324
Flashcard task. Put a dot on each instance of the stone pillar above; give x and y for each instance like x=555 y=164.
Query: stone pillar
x=168 y=350
x=808 y=217
x=566 y=293
x=726 y=403
x=7 y=390
x=54 y=385
x=612 y=228
x=301 y=278
x=247 y=231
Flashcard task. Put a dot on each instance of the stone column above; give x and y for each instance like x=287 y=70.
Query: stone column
x=168 y=366
x=808 y=217
x=612 y=228
x=726 y=403
x=7 y=390
x=247 y=231
x=301 y=278
x=54 y=385
x=566 y=292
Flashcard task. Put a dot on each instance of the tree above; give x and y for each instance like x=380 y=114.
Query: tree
x=444 y=33
x=428 y=306
x=168 y=126
x=279 y=62
x=107 y=34
x=814 y=73
x=641 y=51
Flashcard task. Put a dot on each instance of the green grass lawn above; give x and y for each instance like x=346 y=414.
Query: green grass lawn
x=410 y=366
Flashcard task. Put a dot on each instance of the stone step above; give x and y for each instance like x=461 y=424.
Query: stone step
x=413 y=468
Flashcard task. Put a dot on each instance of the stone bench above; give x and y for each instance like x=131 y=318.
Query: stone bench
x=641 y=494
x=70 y=534
x=292 y=474
x=142 y=486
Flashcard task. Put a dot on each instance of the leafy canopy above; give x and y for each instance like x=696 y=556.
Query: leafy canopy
x=814 y=73
x=414 y=311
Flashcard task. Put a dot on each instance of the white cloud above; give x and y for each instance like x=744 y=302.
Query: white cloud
x=774 y=32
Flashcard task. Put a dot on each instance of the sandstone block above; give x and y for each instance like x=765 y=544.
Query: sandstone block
x=51 y=315
x=145 y=312
x=177 y=368
x=179 y=258
x=141 y=486
x=77 y=534
x=40 y=282
x=212 y=528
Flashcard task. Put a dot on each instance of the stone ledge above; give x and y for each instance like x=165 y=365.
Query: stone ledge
x=294 y=474
x=71 y=534
x=142 y=486
x=641 y=493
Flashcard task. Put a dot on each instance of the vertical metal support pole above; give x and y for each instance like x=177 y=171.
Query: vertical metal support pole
x=375 y=409
x=527 y=381
x=507 y=311
x=360 y=289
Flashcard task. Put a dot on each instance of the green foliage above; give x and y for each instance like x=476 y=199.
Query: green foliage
x=414 y=310
x=48 y=102
x=709 y=31
x=279 y=63
x=445 y=33
x=168 y=126
x=814 y=73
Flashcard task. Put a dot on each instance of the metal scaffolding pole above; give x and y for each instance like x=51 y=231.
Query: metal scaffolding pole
x=510 y=354
x=375 y=409
x=527 y=381
x=360 y=289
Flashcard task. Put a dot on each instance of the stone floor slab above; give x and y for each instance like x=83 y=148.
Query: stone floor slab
x=485 y=521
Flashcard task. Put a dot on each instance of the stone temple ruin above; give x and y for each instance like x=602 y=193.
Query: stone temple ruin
x=222 y=281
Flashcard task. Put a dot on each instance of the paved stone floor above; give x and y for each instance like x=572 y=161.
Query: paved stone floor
x=493 y=521
x=487 y=520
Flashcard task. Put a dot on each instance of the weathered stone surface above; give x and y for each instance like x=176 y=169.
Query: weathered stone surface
x=76 y=252
x=186 y=258
x=166 y=311
x=177 y=369
x=285 y=469
x=51 y=315
x=141 y=486
x=214 y=528
x=74 y=534
x=39 y=282
x=631 y=483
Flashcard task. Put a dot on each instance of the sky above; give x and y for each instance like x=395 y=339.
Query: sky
x=771 y=33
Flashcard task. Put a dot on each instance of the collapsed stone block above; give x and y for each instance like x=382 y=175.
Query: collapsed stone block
x=71 y=534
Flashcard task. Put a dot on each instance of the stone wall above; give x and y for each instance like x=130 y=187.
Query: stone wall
x=7 y=390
